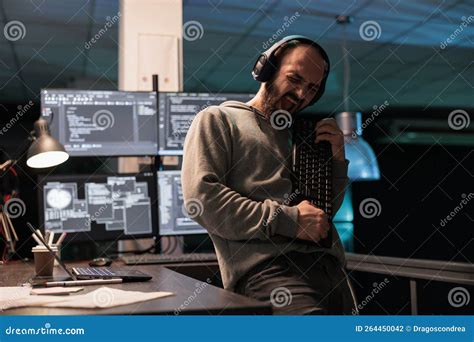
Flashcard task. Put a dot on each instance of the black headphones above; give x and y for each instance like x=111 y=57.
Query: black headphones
x=266 y=65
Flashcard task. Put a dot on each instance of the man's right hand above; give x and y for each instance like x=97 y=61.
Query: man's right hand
x=313 y=224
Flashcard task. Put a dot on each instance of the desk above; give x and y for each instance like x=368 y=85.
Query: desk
x=210 y=301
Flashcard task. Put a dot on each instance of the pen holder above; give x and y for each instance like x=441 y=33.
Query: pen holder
x=44 y=260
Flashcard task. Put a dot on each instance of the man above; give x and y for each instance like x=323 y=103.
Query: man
x=236 y=167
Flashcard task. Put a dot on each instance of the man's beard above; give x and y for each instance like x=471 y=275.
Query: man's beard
x=273 y=101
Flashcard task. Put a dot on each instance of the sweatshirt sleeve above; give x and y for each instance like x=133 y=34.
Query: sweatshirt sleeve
x=340 y=183
x=207 y=161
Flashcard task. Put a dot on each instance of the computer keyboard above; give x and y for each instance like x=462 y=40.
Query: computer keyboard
x=312 y=170
x=168 y=259
x=93 y=271
x=312 y=166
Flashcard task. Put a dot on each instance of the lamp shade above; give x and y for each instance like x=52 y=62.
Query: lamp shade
x=45 y=151
x=363 y=162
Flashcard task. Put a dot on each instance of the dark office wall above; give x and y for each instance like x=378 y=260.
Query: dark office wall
x=420 y=185
x=412 y=206
x=14 y=145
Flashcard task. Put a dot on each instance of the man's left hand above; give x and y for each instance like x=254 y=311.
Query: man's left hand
x=327 y=129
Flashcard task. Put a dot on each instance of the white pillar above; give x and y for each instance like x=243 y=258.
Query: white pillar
x=150 y=42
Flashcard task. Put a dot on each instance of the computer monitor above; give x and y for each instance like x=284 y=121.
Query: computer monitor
x=173 y=218
x=102 y=123
x=99 y=207
x=177 y=111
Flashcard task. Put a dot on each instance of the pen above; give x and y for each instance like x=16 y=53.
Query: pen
x=83 y=282
x=36 y=239
x=50 y=238
x=39 y=236
x=38 y=232
x=46 y=236
x=61 y=238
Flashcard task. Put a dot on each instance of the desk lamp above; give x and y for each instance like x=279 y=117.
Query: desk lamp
x=45 y=151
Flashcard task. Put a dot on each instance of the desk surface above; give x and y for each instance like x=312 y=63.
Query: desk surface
x=210 y=301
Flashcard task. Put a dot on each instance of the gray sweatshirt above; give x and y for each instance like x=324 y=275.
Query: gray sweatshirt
x=236 y=178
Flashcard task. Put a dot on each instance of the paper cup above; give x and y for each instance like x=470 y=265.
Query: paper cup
x=44 y=261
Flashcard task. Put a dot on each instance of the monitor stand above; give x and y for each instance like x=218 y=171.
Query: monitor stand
x=200 y=243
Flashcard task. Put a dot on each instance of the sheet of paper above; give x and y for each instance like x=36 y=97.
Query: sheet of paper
x=103 y=297
x=11 y=295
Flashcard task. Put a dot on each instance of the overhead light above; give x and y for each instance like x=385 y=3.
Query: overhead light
x=45 y=151
x=363 y=162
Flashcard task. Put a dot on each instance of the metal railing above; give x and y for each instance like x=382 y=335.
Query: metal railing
x=413 y=269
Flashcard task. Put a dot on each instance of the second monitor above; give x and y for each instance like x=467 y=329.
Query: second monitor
x=177 y=111
x=173 y=218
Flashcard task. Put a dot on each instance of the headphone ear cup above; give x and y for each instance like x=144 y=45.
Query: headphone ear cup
x=256 y=71
x=263 y=69
x=267 y=72
x=257 y=68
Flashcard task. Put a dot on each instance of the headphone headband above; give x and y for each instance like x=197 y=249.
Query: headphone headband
x=266 y=64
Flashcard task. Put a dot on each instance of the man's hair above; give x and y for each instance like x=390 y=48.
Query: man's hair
x=292 y=44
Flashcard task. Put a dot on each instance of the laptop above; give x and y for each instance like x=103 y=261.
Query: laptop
x=86 y=275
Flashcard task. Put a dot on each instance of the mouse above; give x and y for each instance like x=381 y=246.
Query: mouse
x=100 y=262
